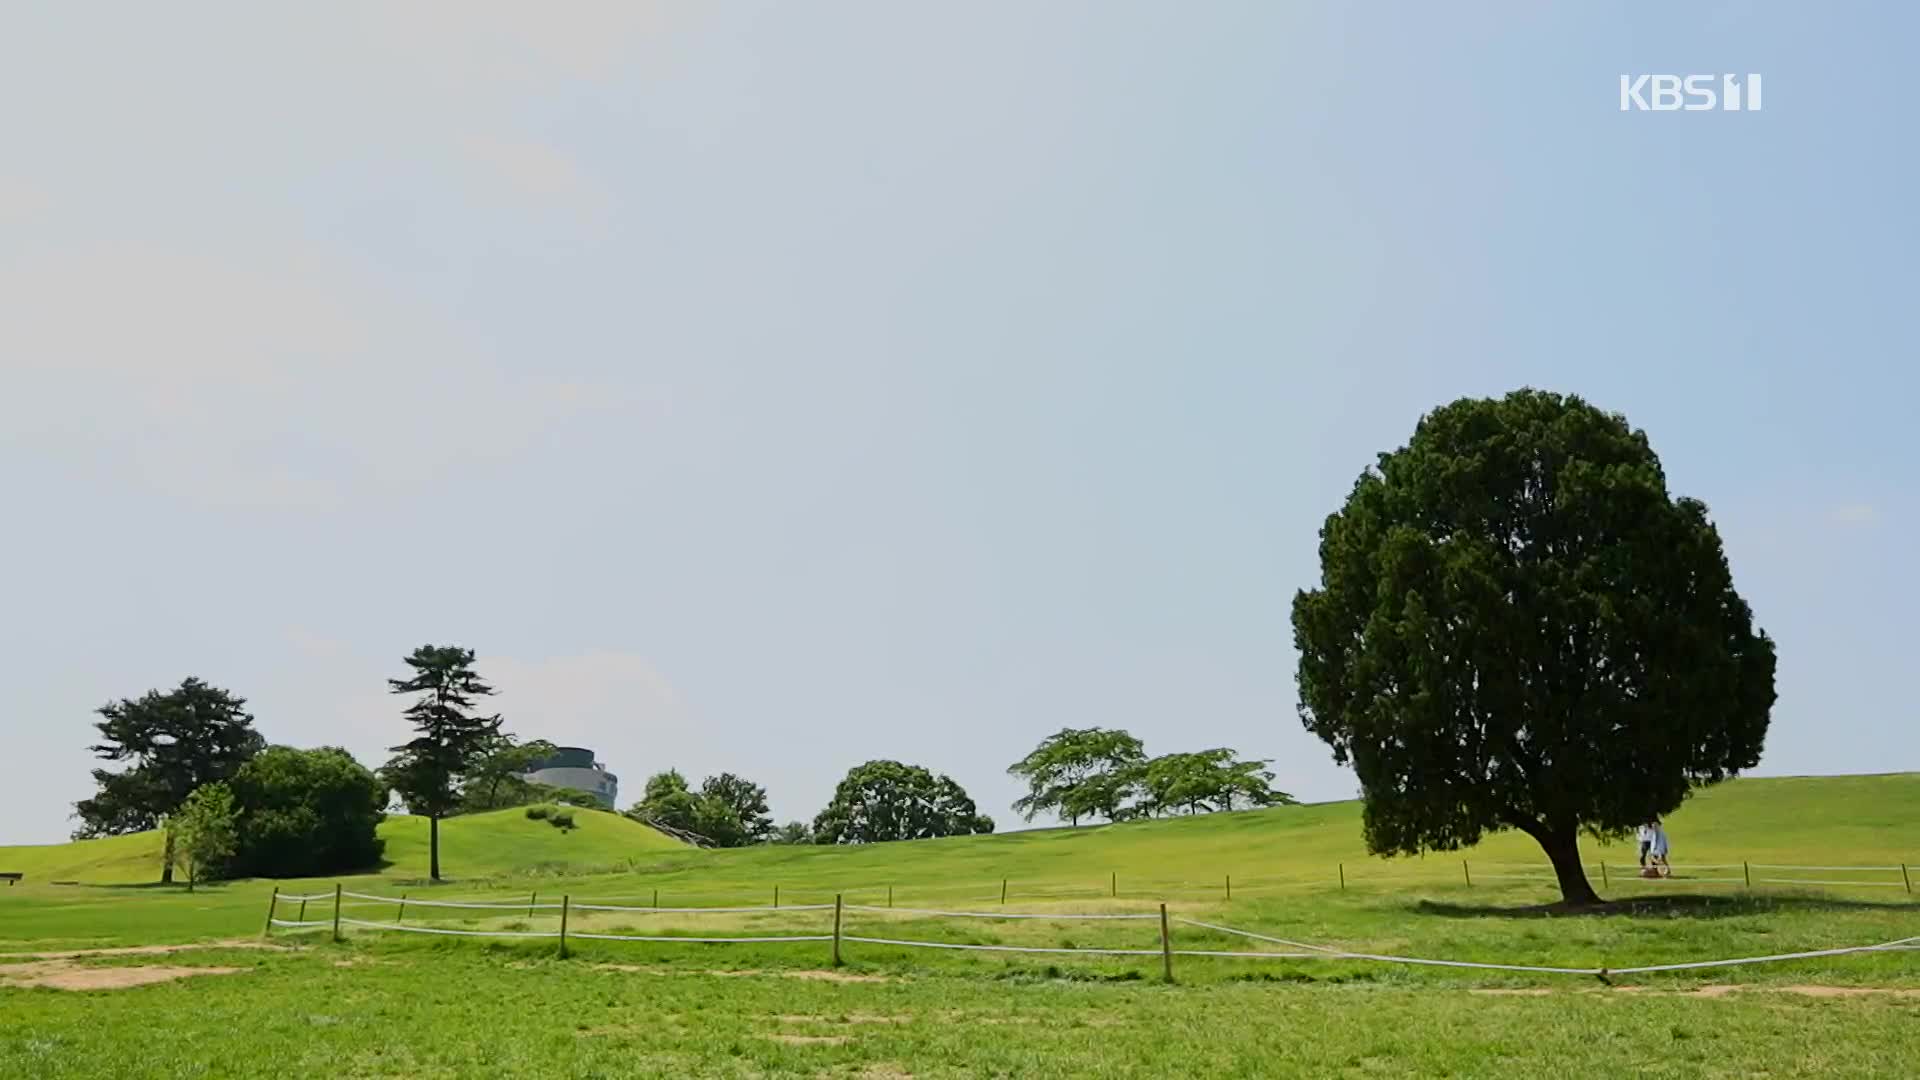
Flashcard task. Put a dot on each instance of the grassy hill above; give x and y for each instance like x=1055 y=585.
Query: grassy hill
x=474 y=846
x=1812 y=820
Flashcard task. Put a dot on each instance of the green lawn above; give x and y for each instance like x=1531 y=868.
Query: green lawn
x=393 y=1003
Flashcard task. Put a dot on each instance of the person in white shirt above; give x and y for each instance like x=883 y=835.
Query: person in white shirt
x=1646 y=841
x=1657 y=851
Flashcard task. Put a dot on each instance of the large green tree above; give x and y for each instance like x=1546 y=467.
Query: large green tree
x=173 y=742
x=450 y=737
x=1207 y=780
x=497 y=778
x=1518 y=627
x=1080 y=772
x=305 y=813
x=746 y=800
x=668 y=803
x=886 y=800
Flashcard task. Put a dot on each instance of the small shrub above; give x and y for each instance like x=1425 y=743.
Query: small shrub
x=539 y=812
x=561 y=819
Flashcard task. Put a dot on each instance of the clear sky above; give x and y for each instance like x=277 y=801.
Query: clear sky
x=773 y=387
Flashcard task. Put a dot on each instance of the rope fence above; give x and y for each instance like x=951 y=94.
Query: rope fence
x=1293 y=950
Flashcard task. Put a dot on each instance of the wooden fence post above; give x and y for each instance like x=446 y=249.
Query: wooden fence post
x=656 y=897
x=1113 y=883
x=889 y=896
x=1603 y=873
x=1343 y=877
x=302 y=917
x=336 y=911
x=836 y=929
x=1746 y=871
x=1166 y=945
x=566 y=908
x=272 y=906
x=1468 y=873
x=402 y=913
x=1904 y=879
x=1003 y=891
x=532 y=900
x=776 y=896
x=1229 y=886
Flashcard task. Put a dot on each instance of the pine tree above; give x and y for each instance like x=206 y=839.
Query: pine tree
x=426 y=771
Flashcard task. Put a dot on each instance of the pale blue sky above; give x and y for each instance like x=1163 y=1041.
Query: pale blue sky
x=773 y=387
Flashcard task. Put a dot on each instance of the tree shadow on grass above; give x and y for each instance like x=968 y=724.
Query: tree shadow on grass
x=1680 y=906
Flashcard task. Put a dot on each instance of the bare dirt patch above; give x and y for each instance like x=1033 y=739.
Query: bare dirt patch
x=885 y=1070
x=850 y=1018
x=1715 y=990
x=66 y=975
x=147 y=950
x=819 y=976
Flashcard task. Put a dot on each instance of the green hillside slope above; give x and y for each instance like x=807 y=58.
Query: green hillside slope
x=1801 y=820
x=478 y=845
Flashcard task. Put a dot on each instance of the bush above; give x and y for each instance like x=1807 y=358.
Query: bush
x=305 y=813
x=561 y=819
x=539 y=812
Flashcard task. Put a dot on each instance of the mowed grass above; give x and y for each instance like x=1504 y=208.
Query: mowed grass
x=419 y=1005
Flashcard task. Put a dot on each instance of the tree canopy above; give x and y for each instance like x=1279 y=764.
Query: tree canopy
x=1518 y=627
x=175 y=742
x=886 y=800
x=746 y=800
x=450 y=737
x=668 y=802
x=201 y=832
x=305 y=813
x=496 y=779
x=1080 y=772
x=1207 y=780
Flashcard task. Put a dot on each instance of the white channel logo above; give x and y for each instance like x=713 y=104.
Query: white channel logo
x=1689 y=93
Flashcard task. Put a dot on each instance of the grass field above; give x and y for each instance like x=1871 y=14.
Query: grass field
x=392 y=1004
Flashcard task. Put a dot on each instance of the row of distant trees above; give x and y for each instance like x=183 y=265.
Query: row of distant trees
x=877 y=801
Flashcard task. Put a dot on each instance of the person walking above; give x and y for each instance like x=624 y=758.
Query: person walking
x=1645 y=837
x=1657 y=851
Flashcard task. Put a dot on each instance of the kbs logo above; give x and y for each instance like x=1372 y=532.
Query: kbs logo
x=1692 y=93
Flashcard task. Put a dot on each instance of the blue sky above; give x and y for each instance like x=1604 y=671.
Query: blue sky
x=773 y=387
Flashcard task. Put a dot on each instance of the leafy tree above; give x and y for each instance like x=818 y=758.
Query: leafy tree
x=886 y=800
x=1517 y=627
x=201 y=832
x=661 y=783
x=793 y=832
x=497 y=779
x=304 y=813
x=1208 y=780
x=176 y=742
x=1080 y=772
x=451 y=739
x=747 y=801
x=668 y=802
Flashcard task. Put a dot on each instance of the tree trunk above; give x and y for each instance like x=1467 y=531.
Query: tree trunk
x=433 y=847
x=1563 y=850
x=166 y=861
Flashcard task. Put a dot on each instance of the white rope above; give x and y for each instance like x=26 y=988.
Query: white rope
x=413 y=902
x=294 y=924
x=1247 y=955
x=444 y=930
x=1809 y=881
x=999 y=948
x=289 y=898
x=994 y=915
x=1884 y=947
x=1321 y=949
x=1878 y=869
x=703 y=940
x=762 y=909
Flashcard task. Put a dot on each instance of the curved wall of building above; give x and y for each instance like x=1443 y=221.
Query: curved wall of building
x=574 y=767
